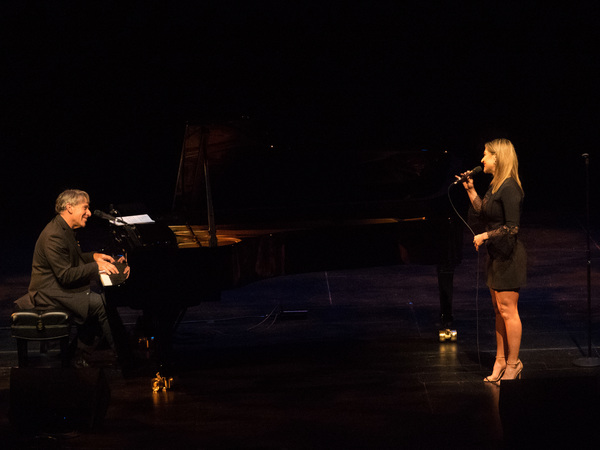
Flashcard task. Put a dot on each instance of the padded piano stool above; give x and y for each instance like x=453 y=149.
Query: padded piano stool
x=41 y=325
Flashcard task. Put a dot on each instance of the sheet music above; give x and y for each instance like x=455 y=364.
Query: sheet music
x=132 y=220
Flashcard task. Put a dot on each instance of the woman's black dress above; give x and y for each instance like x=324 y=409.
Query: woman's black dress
x=500 y=212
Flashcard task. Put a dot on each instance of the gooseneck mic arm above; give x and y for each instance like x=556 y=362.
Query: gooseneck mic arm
x=103 y=215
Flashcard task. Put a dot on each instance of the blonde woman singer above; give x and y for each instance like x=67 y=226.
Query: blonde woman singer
x=500 y=211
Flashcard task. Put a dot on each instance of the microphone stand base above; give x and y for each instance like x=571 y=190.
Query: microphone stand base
x=587 y=361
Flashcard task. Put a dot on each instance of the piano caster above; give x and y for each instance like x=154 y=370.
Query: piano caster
x=161 y=383
x=448 y=335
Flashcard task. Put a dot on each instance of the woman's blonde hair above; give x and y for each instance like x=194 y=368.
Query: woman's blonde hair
x=507 y=164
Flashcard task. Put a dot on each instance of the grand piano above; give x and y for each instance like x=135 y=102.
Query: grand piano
x=246 y=208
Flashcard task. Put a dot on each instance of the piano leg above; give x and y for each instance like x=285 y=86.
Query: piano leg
x=158 y=324
x=450 y=257
x=446 y=287
x=445 y=275
x=121 y=337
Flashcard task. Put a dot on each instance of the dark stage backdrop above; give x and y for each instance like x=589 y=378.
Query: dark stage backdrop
x=96 y=94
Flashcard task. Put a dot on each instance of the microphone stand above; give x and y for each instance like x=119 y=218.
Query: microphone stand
x=589 y=361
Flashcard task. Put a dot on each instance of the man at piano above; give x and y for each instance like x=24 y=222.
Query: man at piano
x=64 y=277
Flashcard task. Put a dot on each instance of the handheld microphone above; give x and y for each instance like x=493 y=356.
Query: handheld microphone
x=468 y=175
x=104 y=216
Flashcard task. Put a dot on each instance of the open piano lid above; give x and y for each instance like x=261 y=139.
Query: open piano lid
x=236 y=172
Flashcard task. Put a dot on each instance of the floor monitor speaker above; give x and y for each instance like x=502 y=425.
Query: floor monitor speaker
x=58 y=399
x=544 y=411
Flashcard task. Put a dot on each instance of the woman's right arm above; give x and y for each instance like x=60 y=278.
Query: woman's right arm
x=473 y=196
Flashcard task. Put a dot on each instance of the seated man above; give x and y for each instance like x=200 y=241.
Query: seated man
x=62 y=276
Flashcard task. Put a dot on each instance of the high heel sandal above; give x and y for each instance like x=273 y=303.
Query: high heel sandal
x=518 y=367
x=489 y=378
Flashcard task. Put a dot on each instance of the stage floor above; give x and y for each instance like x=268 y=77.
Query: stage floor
x=359 y=365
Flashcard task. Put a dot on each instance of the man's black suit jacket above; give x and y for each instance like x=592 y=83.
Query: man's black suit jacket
x=61 y=273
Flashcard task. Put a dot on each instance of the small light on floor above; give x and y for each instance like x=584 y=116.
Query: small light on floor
x=161 y=383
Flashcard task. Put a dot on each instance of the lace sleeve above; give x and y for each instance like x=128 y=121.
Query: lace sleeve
x=477 y=205
x=504 y=230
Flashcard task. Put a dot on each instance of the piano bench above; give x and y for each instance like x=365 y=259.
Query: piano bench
x=43 y=325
